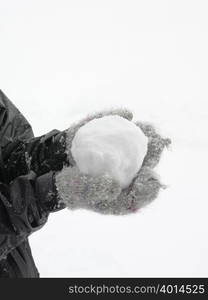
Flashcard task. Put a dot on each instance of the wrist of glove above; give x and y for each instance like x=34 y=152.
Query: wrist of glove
x=102 y=193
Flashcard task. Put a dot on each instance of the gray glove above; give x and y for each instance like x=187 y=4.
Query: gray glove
x=102 y=193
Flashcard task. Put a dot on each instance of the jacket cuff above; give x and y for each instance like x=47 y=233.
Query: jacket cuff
x=47 y=193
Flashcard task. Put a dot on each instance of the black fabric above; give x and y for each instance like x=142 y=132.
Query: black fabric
x=19 y=263
x=27 y=189
x=41 y=154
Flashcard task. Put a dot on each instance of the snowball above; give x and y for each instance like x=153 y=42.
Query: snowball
x=110 y=145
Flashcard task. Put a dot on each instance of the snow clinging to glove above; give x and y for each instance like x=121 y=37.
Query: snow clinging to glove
x=111 y=161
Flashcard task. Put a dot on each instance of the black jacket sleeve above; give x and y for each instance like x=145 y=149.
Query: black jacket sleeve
x=27 y=171
x=20 y=151
x=41 y=155
x=24 y=208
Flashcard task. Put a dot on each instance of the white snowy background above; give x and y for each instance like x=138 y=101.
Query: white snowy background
x=62 y=59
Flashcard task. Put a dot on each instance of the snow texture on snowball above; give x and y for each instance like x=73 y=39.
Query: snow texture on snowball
x=102 y=193
x=70 y=133
x=110 y=146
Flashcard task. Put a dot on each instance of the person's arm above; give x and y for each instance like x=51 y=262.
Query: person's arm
x=25 y=204
x=27 y=189
x=20 y=151
x=41 y=155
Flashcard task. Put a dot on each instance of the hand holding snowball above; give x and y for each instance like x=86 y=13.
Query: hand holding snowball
x=110 y=169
